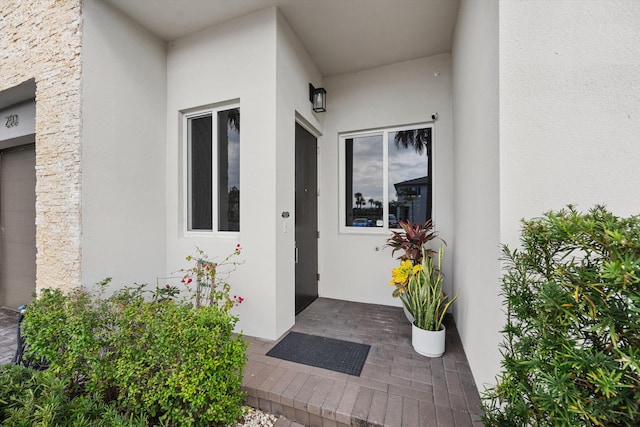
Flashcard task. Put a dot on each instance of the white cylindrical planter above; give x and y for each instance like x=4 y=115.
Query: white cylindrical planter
x=428 y=343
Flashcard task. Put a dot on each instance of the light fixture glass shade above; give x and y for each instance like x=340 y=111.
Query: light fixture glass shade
x=318 y=98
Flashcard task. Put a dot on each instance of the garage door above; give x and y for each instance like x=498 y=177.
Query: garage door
x=17 y=226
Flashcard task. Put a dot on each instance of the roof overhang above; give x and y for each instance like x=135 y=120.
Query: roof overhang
x=342 y=36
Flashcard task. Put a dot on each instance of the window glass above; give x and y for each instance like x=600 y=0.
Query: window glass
x=229 y=170
x=409 y=189
x=386 y=177
x=201 y=173
x=364 y=181
x=214 y=170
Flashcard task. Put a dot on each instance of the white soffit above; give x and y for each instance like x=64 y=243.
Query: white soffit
x=341 y=36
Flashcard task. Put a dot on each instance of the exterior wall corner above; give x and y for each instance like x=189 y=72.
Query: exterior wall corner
x=42 y=40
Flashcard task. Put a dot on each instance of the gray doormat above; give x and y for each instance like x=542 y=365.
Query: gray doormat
x=328 y=353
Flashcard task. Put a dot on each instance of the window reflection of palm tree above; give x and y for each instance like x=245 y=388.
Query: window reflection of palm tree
x=359 y=199
x=419 y=139
x=233 y=120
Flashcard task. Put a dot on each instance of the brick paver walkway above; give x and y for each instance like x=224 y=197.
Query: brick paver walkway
x=397 y=387
x=8 y=335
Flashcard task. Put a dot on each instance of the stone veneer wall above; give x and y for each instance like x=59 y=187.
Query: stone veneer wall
x=41 y=40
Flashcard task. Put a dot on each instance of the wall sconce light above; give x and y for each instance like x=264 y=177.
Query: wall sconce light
x=318 y=98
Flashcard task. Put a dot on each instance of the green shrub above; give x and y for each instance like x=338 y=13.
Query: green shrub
x=179 y=364
x=160 y=358
x=571 y=354
x=38 y=398
x=69 y=331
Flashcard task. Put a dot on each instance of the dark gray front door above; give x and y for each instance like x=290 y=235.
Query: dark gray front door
x=306 y=219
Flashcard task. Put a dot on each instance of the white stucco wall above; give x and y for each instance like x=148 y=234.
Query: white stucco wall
x=123 y=149
x=230 y=62
x=354 y=267
x=294 y=71
x=569 y=107
x=477 y=186
x=567 y=120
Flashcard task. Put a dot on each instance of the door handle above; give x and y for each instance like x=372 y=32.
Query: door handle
x=296 y=255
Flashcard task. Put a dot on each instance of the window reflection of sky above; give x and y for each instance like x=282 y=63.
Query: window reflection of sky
x=234 y=157
x=404 y=164
x=367 y=168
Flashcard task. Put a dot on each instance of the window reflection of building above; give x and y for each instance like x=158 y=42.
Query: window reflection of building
x=411 y=199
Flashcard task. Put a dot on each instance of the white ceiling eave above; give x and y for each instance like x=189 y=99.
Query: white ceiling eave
x=342 y=36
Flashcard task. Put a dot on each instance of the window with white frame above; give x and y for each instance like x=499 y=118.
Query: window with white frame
x=386 y=176
x=213 y=169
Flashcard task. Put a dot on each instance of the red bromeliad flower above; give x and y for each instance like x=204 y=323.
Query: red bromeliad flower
x=411 y=240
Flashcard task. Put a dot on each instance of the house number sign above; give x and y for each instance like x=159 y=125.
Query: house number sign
x=12 y=120
x=18 y=120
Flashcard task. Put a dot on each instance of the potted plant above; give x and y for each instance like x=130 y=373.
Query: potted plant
x=411 y=240
x=427 y=303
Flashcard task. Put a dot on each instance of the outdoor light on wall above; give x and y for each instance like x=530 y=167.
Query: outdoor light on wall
x=318 y=98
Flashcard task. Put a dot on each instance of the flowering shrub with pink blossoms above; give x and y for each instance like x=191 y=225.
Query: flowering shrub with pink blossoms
x=208 y=281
